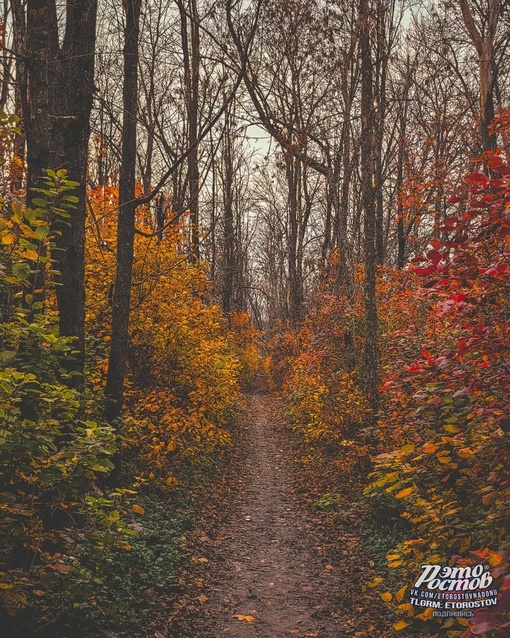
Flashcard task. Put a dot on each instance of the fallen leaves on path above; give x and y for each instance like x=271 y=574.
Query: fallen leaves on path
x=313 y=567
x=246 y=618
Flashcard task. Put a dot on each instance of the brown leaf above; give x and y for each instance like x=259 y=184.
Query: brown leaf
x=62 y=569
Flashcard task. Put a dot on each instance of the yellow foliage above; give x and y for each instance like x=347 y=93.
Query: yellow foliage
x=405 y=492
x=183 y=368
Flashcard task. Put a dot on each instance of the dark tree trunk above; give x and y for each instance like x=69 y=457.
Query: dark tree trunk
x=20 y=92
x=401 y=237
x=326 y=242
x=343 y=168
x=151 y=127
x=401 y=158
x=295 y=299
x=194 y=175
x=489 y=141
x=384 y=13
x=229 y=253
x=126 y=217
x=369 y=211
x=56 y=98
x=342 y=208
x=191 y=53
x=42 y=54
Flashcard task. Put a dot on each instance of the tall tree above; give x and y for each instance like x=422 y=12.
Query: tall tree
x=20 y=89
x=229 y=238
x=191 y=56
x=483 y=38
x=368 y=203
x=126 y=216
x=56 y=90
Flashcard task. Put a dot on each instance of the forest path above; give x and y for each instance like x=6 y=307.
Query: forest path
x=267 y=557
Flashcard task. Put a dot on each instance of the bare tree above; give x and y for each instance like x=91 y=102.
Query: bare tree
x=369 y=209
x=483 y=38
x=126 y=217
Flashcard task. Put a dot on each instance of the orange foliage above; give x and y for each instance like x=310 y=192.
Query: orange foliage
x=440 y=454
x=184 y=380
x=316 y=374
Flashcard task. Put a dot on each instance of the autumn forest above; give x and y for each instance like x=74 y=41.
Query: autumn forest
x=254 y=318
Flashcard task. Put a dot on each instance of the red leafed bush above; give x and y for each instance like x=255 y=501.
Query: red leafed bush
x=450 y=404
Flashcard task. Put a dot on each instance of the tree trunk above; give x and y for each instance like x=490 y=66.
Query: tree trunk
x=20 y=92
x=341 y=204
x=295 y=300
x=191 y=54
x=380 y=117
x=401 y=158
x=229 y=255
x=401 y=237
x=6 y=60
x=57 y=94
x=326 y=242
x=483 y=41
x=486 y=96
x=213 y=210
x=126 y=218
x=369 y=212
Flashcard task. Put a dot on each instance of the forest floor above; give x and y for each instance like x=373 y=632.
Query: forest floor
x=266 y=563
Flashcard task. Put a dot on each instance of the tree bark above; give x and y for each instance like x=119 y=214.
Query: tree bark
x=369 y=211
x=401 y=236
x=484 y=45
x=126 y=218
x=295 y=296
x=191 y=53
x=56 y=91
x=342 y=209
x=229 y=253
x=6 y=59
x=380 y=118
x=20 y=92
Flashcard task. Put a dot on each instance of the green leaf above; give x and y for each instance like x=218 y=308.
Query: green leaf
x=39 y=202
x=41 y=232
x=21 y=271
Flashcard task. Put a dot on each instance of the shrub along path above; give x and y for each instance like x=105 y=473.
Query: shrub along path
x=265 y=564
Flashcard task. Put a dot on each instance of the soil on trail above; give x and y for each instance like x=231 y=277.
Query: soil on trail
x=265 y=569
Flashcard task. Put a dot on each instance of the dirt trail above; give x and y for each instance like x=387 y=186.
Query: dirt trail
x=267 y=560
